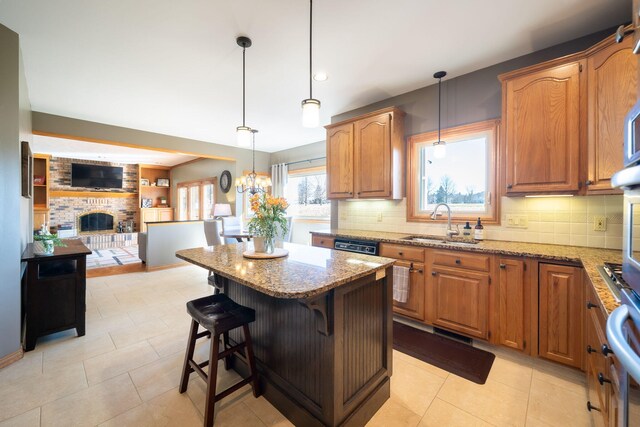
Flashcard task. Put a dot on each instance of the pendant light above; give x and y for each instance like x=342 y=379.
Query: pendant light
x=440 y=146
x=310 y=106
x=252 y=183
x=243 y=133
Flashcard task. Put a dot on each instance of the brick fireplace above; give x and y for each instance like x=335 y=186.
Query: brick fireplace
x=96 y=222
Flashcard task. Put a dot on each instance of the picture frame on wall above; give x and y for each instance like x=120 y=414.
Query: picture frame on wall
x=162 y=182
x=144 y=181
x=147 y=203
x=26 y=159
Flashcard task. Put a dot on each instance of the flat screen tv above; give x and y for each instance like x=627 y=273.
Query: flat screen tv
x=96 y=176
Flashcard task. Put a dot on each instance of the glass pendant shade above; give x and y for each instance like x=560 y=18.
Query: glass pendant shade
x=310 y=113
x=439 y=149
x=244 y=136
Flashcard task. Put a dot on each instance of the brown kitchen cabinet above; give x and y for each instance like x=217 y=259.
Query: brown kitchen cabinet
x=322 y=241
x=541 y=112
x=611 y=92
x=365 y=156
x=514 y=304
x=414 y=307
x=560 y=314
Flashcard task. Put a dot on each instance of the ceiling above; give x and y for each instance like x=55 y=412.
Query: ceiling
x=72 y=149
x=173 y=67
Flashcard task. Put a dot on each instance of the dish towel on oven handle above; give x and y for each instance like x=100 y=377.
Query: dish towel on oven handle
x=400 y=283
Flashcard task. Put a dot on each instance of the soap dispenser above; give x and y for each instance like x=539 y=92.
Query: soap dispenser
x=466 y=230
x=479 y=231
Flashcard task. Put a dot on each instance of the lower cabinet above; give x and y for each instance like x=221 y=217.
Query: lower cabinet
x=322 y=242
x=459 y=301
x=154 y=215
x=560 y=313
x=414 y=306
x=514 y=304
x=40 y=216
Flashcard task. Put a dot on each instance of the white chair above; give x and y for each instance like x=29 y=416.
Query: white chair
x=287 y=237
x=231 y=223
x=212 y=232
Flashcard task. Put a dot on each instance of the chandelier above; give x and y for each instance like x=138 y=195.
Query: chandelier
x=252 y=183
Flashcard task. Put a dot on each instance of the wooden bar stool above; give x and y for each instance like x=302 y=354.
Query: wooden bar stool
x=218 y=314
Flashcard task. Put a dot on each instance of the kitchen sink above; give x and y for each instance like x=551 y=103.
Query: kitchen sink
x=441 y=240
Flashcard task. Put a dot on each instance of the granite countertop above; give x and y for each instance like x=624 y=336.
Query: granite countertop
x=74 y=247
x=306 y=272
x=589 y=258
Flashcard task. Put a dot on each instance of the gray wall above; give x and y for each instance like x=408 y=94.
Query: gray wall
x=59 y=125
x=15 y=221
x=304 y=152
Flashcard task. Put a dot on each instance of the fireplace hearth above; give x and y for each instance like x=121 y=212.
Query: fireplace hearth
x=92 y=222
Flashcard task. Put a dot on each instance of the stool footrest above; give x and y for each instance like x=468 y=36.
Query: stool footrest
x=231 y=350
x=203 y=334
x=195 y=367
x=233 y=388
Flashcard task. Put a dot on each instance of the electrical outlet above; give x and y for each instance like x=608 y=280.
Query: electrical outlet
x=517 y=221
x=599 y=223
x=379 y=216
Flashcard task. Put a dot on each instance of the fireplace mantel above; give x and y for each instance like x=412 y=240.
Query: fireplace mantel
x=96 y=194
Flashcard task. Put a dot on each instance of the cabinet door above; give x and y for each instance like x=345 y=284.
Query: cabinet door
x=560 y=314
x=414 y=307
x=147 y=215
x=340 y=162
x=514 y=304
x=39 y=218
x=612 y=86
x=165 y=214
x=542 y=116
x=461 y=301
x=373 y=156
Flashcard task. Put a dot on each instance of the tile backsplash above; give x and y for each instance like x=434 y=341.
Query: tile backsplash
x=556 y=220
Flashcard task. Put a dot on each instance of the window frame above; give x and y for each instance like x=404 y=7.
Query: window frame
x=413 y=144
x=200 y=183
x=315 y=170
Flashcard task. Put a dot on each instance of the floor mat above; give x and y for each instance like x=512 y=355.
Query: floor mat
x=455 y=357
x=113 y=257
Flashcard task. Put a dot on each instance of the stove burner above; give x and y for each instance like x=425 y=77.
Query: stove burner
x=612 y=275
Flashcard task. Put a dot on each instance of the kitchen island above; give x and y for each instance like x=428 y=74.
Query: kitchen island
x=323 y=331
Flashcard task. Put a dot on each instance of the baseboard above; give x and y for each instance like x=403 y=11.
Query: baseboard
x=11 y=358
x=164 y=267
x=117 y=269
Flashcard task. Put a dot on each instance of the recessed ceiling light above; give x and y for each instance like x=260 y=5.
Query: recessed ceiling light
x=320 y=76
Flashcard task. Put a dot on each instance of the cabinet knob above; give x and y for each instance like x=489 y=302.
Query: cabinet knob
x=602 y=379
x=503 y=266
x=588 y=182
x=606 y=351
x=591 y=407
x=458 y=262
x=509 y=186
x=433 y=273
x=401 y=253
x=358 y=193
x=590 y=305
x=590 y=349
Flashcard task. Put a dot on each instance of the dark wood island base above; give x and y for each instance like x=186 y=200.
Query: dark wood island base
x=327 y=360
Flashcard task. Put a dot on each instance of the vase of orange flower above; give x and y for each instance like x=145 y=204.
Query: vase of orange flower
x=268 y=220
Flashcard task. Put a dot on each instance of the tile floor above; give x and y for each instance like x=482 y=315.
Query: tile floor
x=125 y=372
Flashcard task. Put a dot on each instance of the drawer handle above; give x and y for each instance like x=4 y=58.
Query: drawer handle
x=415 y=270
x=509 y=186
x=590 y=350
x=602 y=379
x=433 y=273
x=606 y=351
x=591 y=407
x=590 y=305
x=588 y=182
x=401 y=253
x=458 y=262
x=503 y=266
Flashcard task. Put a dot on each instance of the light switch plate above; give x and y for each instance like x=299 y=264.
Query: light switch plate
x=517 y=221
x=599 y=223
x=379 y=216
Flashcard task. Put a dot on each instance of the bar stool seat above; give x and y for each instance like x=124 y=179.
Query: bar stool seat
x=218 y=314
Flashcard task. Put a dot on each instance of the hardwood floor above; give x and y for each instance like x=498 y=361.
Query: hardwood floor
x=125 y=372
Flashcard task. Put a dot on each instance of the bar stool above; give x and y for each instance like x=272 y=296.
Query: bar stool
x=218 y=314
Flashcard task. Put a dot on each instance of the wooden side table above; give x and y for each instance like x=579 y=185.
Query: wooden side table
x=54 y=291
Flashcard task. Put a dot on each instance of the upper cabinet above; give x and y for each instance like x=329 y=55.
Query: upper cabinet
x=563 y=121
x=365 y=156
x=541 y=117
x=612 y=85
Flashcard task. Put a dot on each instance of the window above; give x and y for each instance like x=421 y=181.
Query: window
x=196 y=199
x=465 y=178
x=306 y=192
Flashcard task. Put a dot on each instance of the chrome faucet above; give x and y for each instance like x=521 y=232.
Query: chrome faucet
x=450 y=231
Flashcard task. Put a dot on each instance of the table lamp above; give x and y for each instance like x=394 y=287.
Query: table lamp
x=221 y=209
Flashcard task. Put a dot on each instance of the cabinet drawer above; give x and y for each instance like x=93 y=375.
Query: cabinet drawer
x=462 y=260
x=408 y=253
x=322 y=241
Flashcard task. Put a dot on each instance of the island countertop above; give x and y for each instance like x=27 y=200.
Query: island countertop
x=306 y=272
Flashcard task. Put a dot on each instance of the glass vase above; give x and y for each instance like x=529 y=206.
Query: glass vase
x=269 y=244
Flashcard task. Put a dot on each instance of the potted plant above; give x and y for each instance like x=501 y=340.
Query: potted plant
x=268 y=221
x=43 y=244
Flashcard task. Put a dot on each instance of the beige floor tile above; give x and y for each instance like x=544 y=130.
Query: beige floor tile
x=236 y=415
x=28 y=419
x=142 y=314
x=109 y=365
x=76 y=350
x=157 y=377
x=92 y=313
x=412 y=387
x=29 y=365
x=420 y=364
x=197 y=389
x=554 y=404
x=393 y=413
x=493 y=402
x=108 y=324
x=35 y=390
x=511 y=373
x=177 y=320
x=267 y=413
x=126 y=336
x=93 y=405
x=441 y=413
x=562 y=376
x=172 y=342
x=169 y=409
